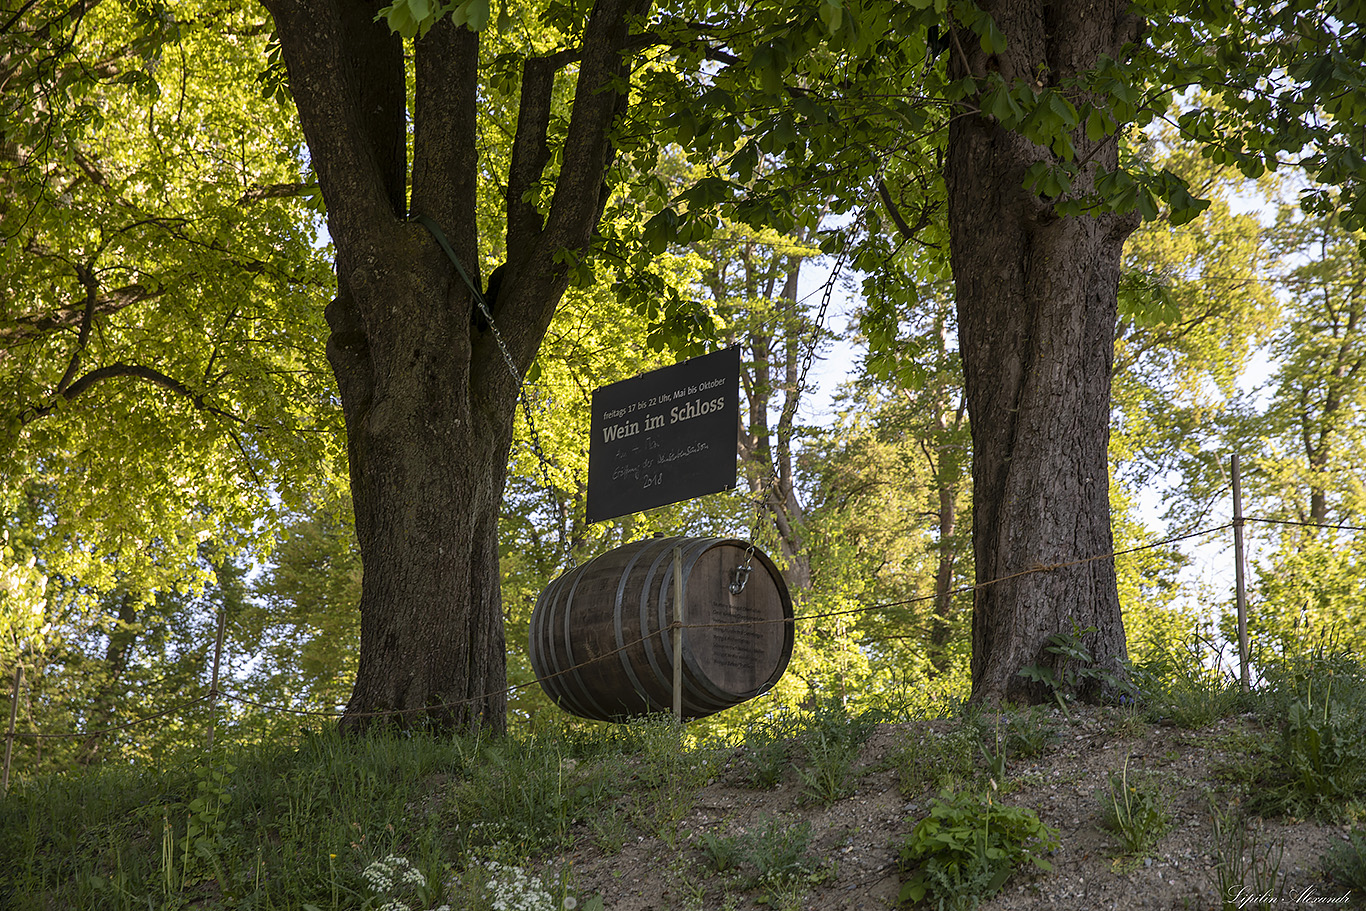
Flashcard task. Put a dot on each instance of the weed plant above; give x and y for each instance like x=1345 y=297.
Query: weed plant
x=774 y=857
x=1319 y=766
x=611 y=829
x=1248 y=870
x=1346 y=862
x=1134 y=811
x=1018 y=733
x=968 y=847
x=523 y=794
x=935 y=762
x=764 y=760
x=832 y=739
x=671 y=775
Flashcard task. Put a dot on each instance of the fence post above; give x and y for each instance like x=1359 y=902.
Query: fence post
x=1240 y=576
x=13 y=715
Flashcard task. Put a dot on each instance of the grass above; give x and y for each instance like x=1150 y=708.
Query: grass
x=1248 y=868
x=1180 y=690
x=298 y=826
x=316 y=823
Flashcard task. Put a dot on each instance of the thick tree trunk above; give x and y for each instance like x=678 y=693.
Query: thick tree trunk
x=429 y=390
x=428 y=459
x=1036 y=300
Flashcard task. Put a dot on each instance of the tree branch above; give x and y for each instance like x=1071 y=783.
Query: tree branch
x=530 y=154
x=92 y=289
x=598 y=98
x=526 y=301
x=272 y=191
x=24 y=328
x=137 y=371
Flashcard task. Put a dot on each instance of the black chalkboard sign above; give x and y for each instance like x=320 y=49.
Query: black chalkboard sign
x=664 y=436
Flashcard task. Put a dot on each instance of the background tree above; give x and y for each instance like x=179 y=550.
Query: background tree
x=1308 y=444
x=159 y=347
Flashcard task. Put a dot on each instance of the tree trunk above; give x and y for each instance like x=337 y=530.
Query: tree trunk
x=765 y=451
x=428 y=387
x=122 y=638
x=1037 y=304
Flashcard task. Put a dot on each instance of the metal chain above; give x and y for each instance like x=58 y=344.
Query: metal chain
x=789 y=411
x=484 y=311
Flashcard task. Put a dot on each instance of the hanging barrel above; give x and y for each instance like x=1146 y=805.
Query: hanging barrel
x=601 y=643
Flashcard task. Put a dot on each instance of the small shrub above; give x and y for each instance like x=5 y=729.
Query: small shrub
x=968 y=847
x=1075 y=674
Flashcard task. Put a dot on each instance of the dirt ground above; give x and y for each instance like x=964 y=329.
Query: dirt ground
x=857 y=837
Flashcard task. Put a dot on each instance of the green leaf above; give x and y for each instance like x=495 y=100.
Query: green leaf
x=400 y=19
x=477 y=15
x=993 y=42
x=1098 y=126
x=831 y=13
x=771 y=78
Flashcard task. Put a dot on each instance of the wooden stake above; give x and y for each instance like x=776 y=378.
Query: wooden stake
x=213 y=685
x=1240 y=577
x=13 y=715
x=678 y=634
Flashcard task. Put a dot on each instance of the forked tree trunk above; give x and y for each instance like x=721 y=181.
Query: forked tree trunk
x=1036 y=300
x=426 y=388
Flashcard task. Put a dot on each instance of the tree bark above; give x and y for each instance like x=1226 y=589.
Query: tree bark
x=426 y=386
x=1037 y=304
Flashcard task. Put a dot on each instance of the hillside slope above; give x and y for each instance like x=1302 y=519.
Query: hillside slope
x=849 y=860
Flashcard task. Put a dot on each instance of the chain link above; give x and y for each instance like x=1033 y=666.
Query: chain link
x=522 y=396
x=771 y=484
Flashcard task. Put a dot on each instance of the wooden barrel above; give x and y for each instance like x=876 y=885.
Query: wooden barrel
x=601 y=643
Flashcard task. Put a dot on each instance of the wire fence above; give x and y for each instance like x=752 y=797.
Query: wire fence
x=214 y=694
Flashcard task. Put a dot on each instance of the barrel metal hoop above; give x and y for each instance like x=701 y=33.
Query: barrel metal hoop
x=661 y=567
x=579 y=696
x=623 y=652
